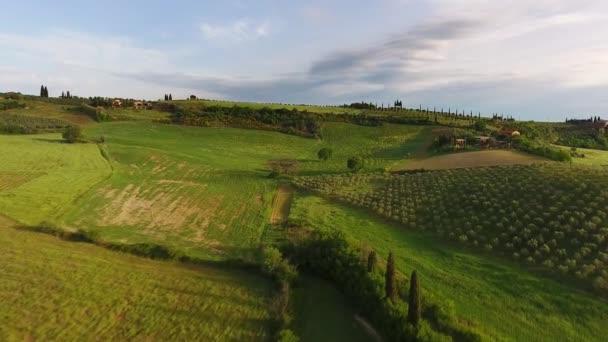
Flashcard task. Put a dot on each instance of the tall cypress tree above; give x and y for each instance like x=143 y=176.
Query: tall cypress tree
x=414 y=311
x=46 y=91
x=170 y=97
x=41 y=91
x=166 y=97
x=390 y=284
x=68 y=95
x=372 y=260
x=62 y=94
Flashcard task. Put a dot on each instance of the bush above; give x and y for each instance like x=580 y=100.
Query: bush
x=325 y=153
x=287 y=335
x=72 y=134
x=354 y=164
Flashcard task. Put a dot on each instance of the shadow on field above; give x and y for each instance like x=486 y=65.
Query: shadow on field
x=54 y=141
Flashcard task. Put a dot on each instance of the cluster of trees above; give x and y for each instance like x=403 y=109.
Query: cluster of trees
x=169 y=97
x=360 y=105
x=11 y=104
x=66 y=95
x=541 y=149
x=381 y=294
x=551 y=216
x=592 y=119
x=283 y=120
x=44 y=91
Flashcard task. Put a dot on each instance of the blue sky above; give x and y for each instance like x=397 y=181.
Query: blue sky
x=541 y=60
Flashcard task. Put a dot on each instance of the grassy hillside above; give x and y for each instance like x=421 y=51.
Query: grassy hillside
x=207 y=189
x=57 y=290
x=494 y=298
x=588 y=156
x=310 y=108
x=41 y=177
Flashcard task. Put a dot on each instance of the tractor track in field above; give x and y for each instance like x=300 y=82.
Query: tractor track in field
x=281 y=204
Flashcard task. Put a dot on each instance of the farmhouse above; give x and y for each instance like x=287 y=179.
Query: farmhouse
x=483 y=141
x=460 y=143
x=116 y=103
x=509 y=133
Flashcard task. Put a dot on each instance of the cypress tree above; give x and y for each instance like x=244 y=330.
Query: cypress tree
x=166 y=97
x=390 y=284
x=170 y=97
x=372 y=259
x=46 y=91
x=68 y=95
x=41 y=91
x=414 y=311
x=62 y=95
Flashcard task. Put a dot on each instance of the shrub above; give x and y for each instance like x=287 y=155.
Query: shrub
x=287 y=335
x=325 y=153
x=72 y=134
x=354 y=164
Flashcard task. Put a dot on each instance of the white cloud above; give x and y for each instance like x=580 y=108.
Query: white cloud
x=239 y=30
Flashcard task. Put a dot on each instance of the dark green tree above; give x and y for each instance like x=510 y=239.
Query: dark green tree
x=170 y=97
x=390 y=282
x=354 y=164
x=41 y=91
x=166 y=97
x=68 y=95
x=72 y=134
x=372 y=260
x=46 y=92
x=480 y=125
x=325 y=153
x=62 y=95
x=414 y=311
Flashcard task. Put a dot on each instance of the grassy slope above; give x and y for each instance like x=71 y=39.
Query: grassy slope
x=206 y=188
x=322 y=314
x=310 y=108
x=57 y=290
x=501 y=301
x=592 y=157
x=53 y=175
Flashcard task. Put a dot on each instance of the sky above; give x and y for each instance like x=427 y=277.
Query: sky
x=541 y=60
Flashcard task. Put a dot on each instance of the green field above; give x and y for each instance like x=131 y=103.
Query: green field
x=206 y=189
x=497 y=299
x=41 y=177
x=57 y=290
x=592 y=157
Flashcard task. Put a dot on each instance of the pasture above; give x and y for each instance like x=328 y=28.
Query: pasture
x=592 y=157
x=497 y=299
x=470 y=159
x=57 y=290
x=207 y=189
x=41 y=177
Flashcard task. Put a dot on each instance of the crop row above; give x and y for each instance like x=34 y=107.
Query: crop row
x=23 y=124
x=550 y=216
